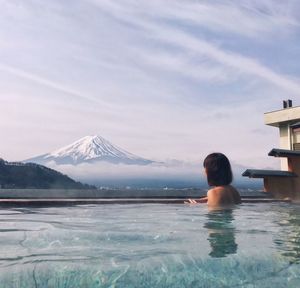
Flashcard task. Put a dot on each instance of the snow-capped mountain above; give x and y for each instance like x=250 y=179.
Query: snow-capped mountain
x=90 y=149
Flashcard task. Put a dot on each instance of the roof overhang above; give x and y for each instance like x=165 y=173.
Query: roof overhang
x=259 y=173
x=279 y=117
x=284 y=153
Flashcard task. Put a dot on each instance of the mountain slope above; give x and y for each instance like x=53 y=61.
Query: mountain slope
x=30 y=175
x=90 y=149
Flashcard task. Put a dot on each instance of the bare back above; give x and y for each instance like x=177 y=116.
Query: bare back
x=223 y=196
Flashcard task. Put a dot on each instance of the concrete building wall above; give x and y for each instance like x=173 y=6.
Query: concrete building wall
x=283 y=119
x=284 y=137
x=296 y=137
x=284 y=115
x=284 y=144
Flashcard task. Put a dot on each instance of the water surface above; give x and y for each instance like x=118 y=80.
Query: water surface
x=150 y=245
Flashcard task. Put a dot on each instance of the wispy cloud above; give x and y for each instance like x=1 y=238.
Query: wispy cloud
x=233 y=60
x=196 y=47
x=48 y=83
x=246 y=18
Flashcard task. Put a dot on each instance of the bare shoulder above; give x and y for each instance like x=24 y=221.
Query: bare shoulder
x=213 y=191
x=216 y=190
x=223 y=195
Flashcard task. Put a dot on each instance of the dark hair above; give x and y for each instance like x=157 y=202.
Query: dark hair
x=218 y=169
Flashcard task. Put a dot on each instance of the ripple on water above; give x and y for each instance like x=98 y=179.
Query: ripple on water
x=150 y=246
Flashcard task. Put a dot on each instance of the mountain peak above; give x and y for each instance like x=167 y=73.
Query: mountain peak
x=92 y=148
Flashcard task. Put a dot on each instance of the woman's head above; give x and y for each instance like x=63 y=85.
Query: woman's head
x=218 y=169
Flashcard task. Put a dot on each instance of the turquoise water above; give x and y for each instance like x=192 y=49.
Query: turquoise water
x=253 y=245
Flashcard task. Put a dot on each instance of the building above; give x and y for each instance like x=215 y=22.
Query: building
x=285 y=182
x=288 y=122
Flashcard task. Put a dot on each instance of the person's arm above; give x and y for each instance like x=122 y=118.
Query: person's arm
x=202 y=200
x=194 y=201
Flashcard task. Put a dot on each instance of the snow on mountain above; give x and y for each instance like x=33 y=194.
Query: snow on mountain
x=90 y=149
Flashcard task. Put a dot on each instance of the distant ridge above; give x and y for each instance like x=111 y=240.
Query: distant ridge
x=30 y=175
x=90 y=149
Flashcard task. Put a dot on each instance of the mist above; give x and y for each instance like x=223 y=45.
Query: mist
x=173 y=174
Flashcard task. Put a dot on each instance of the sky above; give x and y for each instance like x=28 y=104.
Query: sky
x=163 y=79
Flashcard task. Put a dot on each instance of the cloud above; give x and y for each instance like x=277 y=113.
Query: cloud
x=47 y=83
x=254 y=18
x=104 y=170
x=171 y=169
x=231 y=63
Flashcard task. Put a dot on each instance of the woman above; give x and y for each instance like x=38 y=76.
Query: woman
x=219 y=176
